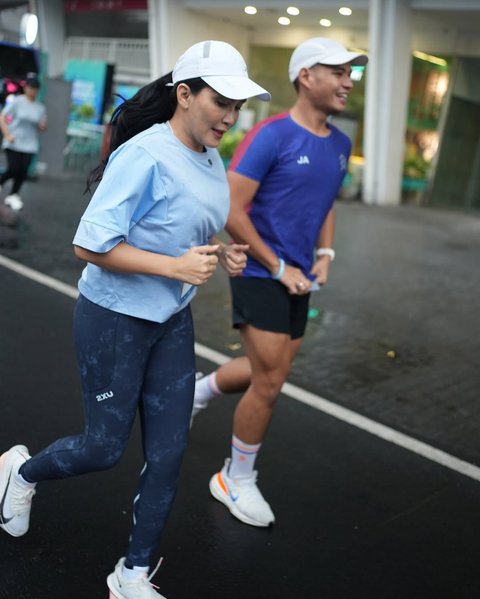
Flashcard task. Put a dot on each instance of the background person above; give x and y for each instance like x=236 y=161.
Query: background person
x=284 y=178
x=21 y=120
x=145 y=237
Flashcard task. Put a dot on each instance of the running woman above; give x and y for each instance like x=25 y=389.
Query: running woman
x=20 y=122
x=284 y=178
x=146 y=237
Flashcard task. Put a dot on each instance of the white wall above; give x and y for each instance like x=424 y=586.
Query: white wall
x=289 y=37
x=186 y=27
x=191 y=27
x=52 y=34
x=426 y=37
x=467 y=82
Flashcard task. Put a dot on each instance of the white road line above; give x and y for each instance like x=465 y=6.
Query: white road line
x=362 y=422
x=34 y=275
x=319 y=403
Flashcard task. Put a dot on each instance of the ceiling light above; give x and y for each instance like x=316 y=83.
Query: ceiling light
x=325 y=22
x=28 y=29
x=428 y=57
x=293 y=10
x=345 y=11
x=284 y=21
x=250 y=10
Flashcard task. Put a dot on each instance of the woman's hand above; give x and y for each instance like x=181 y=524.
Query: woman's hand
x=197 y=265
x=233 y=258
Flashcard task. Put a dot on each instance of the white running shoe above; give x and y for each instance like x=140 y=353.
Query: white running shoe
x=14 y=201
x=198 y=406
x=242 y=497
x=15 y=498
x=137 y=588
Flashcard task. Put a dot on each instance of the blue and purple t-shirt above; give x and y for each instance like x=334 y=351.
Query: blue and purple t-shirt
x=300 y=175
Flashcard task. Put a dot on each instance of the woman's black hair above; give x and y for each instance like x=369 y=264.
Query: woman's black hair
x=154 y=103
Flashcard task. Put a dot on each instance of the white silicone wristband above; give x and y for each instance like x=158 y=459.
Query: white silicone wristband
x=281 y=269
x=326 y=252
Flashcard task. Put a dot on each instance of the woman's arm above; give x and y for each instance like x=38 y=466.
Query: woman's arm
x=195 y=266
x=5 y=130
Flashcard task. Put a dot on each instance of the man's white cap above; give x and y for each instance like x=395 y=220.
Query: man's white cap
x=322 y=50
x=222 y=67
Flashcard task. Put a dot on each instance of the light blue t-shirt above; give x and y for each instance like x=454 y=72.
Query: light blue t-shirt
x=157 y=195
x=23 y=118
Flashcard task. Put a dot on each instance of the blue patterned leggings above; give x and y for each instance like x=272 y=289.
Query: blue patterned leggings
x=129 y=364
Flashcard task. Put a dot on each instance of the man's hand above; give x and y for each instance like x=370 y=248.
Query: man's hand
x=233 y=258
x=320 y=269
x=295 y=281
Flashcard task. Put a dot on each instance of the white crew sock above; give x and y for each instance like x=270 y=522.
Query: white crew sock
x=25 y=483
x=243 y=458
x=135 y=572
x=206 y=389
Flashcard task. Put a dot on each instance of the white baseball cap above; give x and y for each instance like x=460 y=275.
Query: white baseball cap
x=322 y=50
x=222 y=67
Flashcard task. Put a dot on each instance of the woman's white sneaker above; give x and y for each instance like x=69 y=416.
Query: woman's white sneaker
x=137 y=588
x=242 y=497
x=198 y=405
x=14 y=201
x=15 y=497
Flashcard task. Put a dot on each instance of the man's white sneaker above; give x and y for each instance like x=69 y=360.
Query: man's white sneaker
x=14 y=201
x=242 y=497
x=138 y=588
x=15 y=497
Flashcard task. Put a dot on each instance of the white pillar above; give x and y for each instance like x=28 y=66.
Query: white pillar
x=388 y=86
x=51 y=24
x=159 y=37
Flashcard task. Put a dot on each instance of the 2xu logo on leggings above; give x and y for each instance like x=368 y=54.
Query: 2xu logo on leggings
x=104 y=396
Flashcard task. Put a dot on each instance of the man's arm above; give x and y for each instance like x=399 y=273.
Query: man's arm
x=239 y=225
x=325 y=238
x=242 y=230
x=325 y=242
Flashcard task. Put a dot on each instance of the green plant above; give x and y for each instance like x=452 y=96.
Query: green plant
x=230 y=141
x=83 y=112
x=416 y=167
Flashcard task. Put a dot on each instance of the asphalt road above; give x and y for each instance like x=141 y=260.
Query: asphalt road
x=358 y=517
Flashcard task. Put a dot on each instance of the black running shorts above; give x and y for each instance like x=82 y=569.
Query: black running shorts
x=267 y=305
